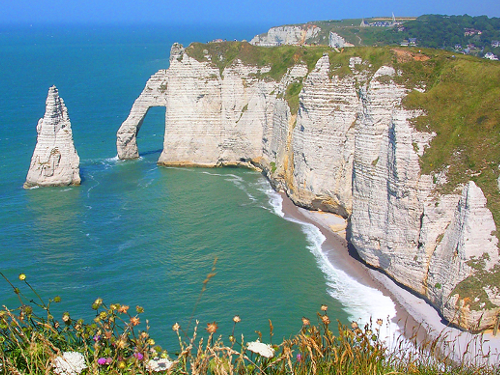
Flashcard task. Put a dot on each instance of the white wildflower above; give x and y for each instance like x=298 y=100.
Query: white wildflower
x=264 y=350
x=159 y=364
x=71 y=363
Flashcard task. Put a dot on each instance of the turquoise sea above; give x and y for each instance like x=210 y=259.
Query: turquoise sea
x=138 y=234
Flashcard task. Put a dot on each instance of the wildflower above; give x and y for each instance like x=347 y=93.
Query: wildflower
x=66 y=317
x=121 y=344
x=159 y=364
x=22 y=276
x=138 y=356
x=71 y=363
x=354 y=325
x=101 y=361
x=260 y=348
x=122 y=365
x=139 y=309
x=324 y=307
x=380 y=322
x=135 y=321
x=57 y=299
x=325 y=319
x=299 y=357
x=212 y=327
x=236 y=319
x=123 y=309
x=305 y=321
x=97 y=338
x=176 y=327
x=97 y=303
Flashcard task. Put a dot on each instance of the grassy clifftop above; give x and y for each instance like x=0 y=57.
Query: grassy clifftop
x=462 y=106
x=278 y=58
x=463 y=34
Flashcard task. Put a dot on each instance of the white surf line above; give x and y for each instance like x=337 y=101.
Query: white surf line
x=97 y=183
x=362 y=303
x=236 y=180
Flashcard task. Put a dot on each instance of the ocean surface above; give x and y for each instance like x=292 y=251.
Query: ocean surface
x=137 y=234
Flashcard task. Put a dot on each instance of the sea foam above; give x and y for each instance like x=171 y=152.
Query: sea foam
x=362 y=303
x=275 y=200
x=236 y=180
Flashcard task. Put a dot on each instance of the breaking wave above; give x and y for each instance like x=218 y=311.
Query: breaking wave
x=362 y=303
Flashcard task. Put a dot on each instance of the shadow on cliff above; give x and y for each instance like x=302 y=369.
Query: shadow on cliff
x=354 y=254
x=152 y=152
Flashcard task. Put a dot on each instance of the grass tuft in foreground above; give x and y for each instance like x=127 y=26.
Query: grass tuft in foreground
x=33 y=341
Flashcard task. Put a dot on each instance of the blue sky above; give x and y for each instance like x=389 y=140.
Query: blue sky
x=263 y=12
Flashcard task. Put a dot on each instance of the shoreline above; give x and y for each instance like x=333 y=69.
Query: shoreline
x=417 y=320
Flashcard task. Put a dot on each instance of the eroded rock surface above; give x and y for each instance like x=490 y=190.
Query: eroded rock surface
x=55 y=161
x=287 y=35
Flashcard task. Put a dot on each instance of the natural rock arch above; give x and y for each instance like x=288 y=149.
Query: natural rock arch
x=153 y=95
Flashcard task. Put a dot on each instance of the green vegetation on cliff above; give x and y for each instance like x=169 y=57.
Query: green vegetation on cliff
x=471 y=35
x=438 y=31
x=280 y=59
x=461 y=106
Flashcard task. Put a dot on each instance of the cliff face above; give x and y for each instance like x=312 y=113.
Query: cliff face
x=54 y=161
x=292 y=35
x=350 y=148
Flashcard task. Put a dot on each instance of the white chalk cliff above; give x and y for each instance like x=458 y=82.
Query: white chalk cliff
x=287 y=35
x=335 y=40
x=54 y=161
x=349 y=149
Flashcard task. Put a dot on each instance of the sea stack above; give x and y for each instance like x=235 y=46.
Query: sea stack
x=55 y=161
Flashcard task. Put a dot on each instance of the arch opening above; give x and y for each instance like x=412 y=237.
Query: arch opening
x=150 y=140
